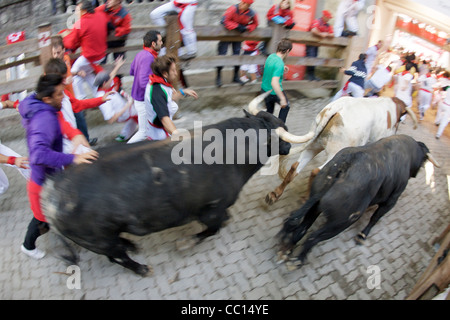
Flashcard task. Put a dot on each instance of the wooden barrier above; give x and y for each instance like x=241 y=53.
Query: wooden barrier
x=271 y=35
x=437 y=274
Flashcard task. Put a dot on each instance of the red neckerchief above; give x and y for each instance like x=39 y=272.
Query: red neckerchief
x=153 y=52
x=157 y=79
x=428 y=75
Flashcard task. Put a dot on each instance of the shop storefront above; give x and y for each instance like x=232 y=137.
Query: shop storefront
x=425 y=40
x=415 y=26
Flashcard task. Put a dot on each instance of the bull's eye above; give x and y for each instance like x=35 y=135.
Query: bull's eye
x=158 y=175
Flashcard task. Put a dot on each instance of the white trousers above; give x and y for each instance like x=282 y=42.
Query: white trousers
x=186 y=28
x=4 y=182
x=353 y=88
x=444 y=118
x=129 y=128
x=343 y=19
x=82 y=64
x=424 y=100
x=142 y=122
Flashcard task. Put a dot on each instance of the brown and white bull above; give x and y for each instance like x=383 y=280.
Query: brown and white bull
x=347 y=122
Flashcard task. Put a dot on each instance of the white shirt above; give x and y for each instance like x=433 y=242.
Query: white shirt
x=153 y=132
x=114 y=106
x=403 y=89
x=381 y=76
x=427 y=82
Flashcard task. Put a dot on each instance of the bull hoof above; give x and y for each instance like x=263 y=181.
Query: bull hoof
x=293 y=265
x=360 y=239
x=271 y=198
x=186 y=243
x=144 y=270
x=282 y=256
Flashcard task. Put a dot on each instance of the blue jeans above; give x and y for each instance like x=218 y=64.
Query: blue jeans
x=81 y=123
x=311 y=51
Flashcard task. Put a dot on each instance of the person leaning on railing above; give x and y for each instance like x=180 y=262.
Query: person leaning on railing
x=241 y=18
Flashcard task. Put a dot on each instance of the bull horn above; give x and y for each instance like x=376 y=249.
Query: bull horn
x=413 y=117
x=292 y=138
x=433 y=160
x=253 y=106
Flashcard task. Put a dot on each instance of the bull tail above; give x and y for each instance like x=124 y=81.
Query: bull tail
x=319 y=123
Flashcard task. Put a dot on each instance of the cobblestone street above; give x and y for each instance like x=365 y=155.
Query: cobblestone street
x=240 y=261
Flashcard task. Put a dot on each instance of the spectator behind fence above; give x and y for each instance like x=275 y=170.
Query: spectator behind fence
x=119 y=24
x=281 y=14
x=250 y=47
x=346 y=19
x=272 y=79
x=141 y=69
x=64 y=5
x=319 y=28
x=241 y=18
x=186 y=12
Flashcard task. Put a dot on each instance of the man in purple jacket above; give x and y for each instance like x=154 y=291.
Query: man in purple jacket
x=45 y=126
x=141 y=69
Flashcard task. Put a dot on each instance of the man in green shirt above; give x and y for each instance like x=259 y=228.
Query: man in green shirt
x=272 y=78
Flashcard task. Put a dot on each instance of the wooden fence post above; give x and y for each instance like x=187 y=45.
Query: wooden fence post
x=44 y=38
x=173 y=39
x=278 y=33
x=173 y=43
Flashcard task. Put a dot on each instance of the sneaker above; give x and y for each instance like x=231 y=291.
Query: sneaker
x=437 y=137
x=253 y=81
x=244 y=79
x=120 y=138
x=238 y=81
x=35 y=253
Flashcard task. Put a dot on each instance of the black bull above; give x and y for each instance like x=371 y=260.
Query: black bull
x=138 y=189
x=356 y=178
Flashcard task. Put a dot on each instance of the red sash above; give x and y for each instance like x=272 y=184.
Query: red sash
x=182 y=6
x=153 y=52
